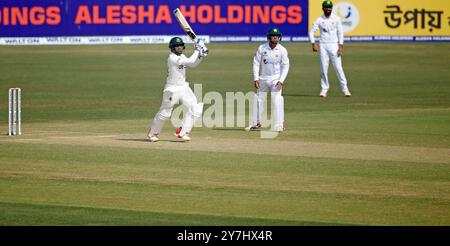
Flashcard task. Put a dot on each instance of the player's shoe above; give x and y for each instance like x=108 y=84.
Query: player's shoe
x=177 y=131
x=348 y=94
x=153 y=138
x=255 y=127
x=323 y=94
x=185 y=137
x=279 y=128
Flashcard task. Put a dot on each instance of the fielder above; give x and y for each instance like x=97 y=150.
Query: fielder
x=331 y=47
x=270 y=69
x=177 y=89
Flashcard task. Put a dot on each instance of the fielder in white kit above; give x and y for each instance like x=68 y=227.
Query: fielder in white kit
x=270 y=69
x=331 y=47
x=177 y=89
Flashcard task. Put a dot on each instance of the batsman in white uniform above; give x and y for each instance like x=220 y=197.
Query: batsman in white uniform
x=270 y=69
x=331 y=47
x=177 y=89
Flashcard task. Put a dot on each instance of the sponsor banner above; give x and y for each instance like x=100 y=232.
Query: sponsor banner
x=259 y=39
x=73 y=40
x=397 y=38
x=150 y=21
x=66 y=18
x=389 y=17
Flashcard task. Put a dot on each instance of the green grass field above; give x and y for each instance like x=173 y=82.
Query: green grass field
x=381 y=157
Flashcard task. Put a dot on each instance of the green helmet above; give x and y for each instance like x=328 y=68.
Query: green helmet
x=327 y=4
x=176 y=41
x=273 y=32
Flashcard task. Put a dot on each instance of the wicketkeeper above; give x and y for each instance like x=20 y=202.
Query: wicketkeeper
x=177 y=89
x=270 y=69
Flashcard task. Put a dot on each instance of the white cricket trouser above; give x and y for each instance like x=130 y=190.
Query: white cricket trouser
x=172 y=95
x=266 y=85
x=329 y=51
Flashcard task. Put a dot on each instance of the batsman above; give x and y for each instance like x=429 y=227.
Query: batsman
x=177 y=89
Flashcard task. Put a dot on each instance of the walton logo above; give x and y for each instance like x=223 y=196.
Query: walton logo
x=349 y=15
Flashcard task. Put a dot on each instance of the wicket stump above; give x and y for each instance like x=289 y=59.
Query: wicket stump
x=15 y=112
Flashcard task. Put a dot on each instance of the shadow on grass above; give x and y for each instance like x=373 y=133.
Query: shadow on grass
x=299 y=95
x=147 y=141
x=228 y=129
x=19 y=214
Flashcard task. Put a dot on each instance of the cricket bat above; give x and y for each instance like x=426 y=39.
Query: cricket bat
x=184 y=24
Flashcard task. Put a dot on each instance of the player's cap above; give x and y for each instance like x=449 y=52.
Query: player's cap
x=176 y=41
x=327 y=4
x=274 y=32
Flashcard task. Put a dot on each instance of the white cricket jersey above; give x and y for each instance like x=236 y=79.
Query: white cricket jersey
x=176 y=67
x=270 y=63
x=330 y=30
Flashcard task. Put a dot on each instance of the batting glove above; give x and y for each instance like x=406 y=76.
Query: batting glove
x=199 y=44
x=204 y=52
